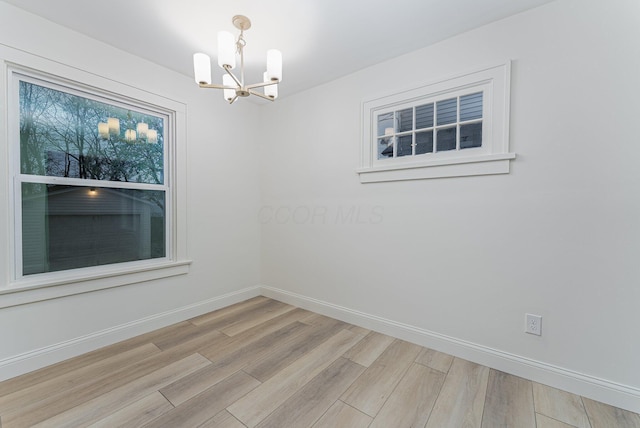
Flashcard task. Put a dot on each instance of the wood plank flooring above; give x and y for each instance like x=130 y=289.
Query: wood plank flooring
x=262 y=363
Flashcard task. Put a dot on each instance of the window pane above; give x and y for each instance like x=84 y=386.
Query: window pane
x=471 y=107
x=471 y=135
x=404 y=145
x=385 y=121
x=447 y=111
x=65 y=135
x=68 y=227
x=424 y=142
x=385 y=148
x=446 y=139
x=405 y=120
x=424 y=116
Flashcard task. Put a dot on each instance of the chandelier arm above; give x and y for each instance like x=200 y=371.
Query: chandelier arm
x=260 y=85
x=232 y=100
x=215 y=86
x=261 y=95
x=235 y=79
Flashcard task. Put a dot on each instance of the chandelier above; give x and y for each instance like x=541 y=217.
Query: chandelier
x=111 y=129
x=232 y=86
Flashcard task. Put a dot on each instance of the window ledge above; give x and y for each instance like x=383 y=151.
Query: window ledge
x=39 y=288
x=440 y=168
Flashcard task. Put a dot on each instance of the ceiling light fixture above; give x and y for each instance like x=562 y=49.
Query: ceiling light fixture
x=111 y=130
x=232 y=86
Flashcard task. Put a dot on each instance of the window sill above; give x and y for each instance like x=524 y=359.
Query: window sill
x=456 y=167
x=54 y=285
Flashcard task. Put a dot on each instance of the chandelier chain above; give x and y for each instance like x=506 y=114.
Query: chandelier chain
x=241 y=43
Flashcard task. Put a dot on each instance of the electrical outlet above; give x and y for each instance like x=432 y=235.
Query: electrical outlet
x=533 y=324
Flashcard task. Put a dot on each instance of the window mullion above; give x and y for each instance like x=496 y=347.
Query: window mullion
x=413 y=133
x=68 y=181
x=435 y=127
x=458 y=123
x=395 y=135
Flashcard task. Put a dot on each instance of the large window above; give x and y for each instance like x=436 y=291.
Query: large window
x=455 y=127
x=90 y=176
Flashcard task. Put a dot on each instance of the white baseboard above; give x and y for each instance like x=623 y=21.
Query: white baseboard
x=33 y=360
x=618 y=395
x=612 y=393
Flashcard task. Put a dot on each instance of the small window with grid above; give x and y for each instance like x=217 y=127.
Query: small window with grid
x=455 y=127
x=449 y=124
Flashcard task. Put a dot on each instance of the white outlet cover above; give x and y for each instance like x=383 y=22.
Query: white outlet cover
x=533 y=324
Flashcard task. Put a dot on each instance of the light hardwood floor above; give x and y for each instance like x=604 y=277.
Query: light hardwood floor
x=263 y=363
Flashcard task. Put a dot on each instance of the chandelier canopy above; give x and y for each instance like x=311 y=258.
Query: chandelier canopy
x=232 y=86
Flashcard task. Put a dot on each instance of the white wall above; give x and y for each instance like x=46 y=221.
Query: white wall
x=222 y=199
x=461 y=260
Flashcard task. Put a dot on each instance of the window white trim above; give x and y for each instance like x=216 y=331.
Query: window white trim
x=21 y=290
x=77 y=281
x=492 y=157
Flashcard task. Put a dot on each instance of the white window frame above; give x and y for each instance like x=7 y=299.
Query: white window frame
x=492 y=157
x=16 y=289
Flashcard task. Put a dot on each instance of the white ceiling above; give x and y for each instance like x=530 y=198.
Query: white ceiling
x=320 y=40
